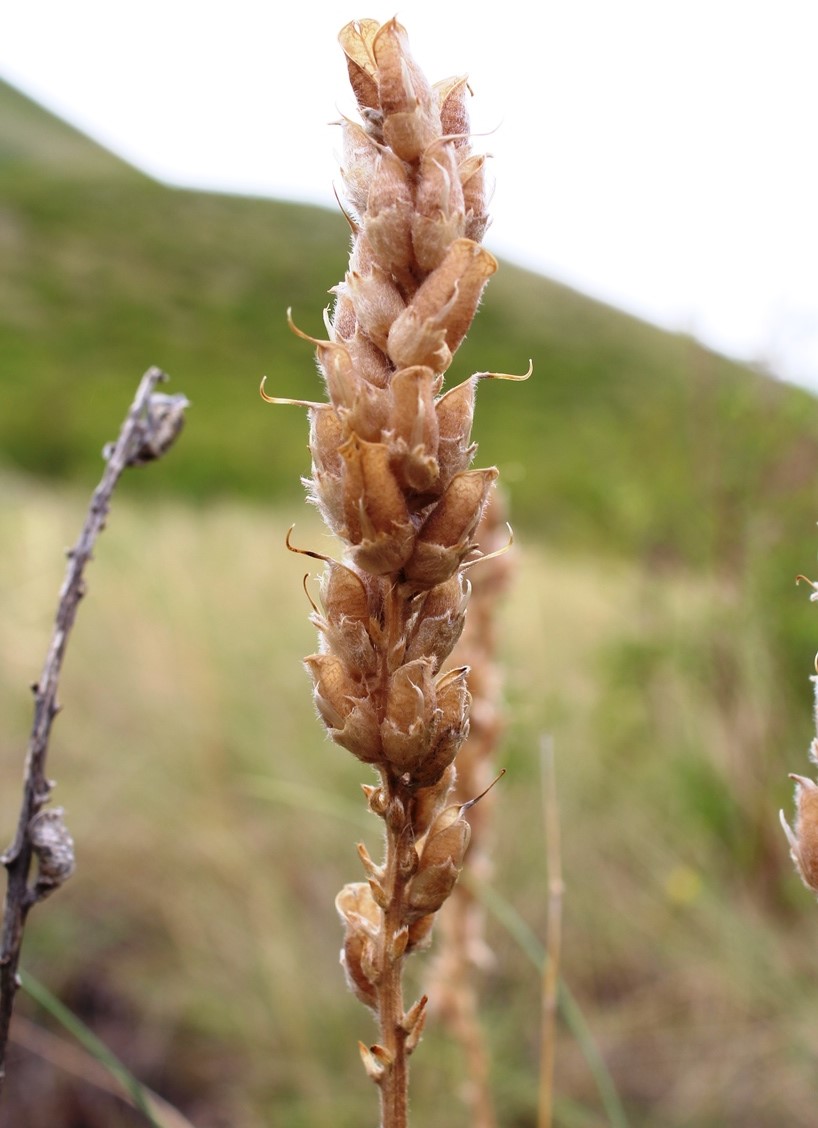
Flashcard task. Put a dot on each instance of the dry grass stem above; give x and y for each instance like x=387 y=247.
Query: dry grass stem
x=150 y=427
x=551 y=964
x=391 y=475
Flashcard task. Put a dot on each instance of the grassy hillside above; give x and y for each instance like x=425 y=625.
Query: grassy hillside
x=626 y=438
x=664 y=499
x=30 y=136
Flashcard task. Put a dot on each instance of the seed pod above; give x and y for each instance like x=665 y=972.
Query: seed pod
x=347 y=713
x=440 y=620
x=430 y=887
x=326 y=487
x=377 y=518
x=357 y=908
x=410 y=714
x=360 y=733
x=326 y=435
x=455 y=412
x=375 y=502
x=360 y=407
x=345 y=624
x=450 y=729
x=417 y=340
x=440 y=862
x=361 y=918
x=335 y=689
x=344 y=593
x=410 y=119
x=370 y=363
x=420 y=934
x=389 y=212
x=356 y=41
x=349 y=640
x=454 y=118
x=376 y=300
x=446 y=536
x=472 y=177
x=356 y=955
x=441 y=215
x=360 y=157
x=339 y=374
x=430 y=801
x=436 y=320
x=803 y=839
x=448 y=838
x=414 y=427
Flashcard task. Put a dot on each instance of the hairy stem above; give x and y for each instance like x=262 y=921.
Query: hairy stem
x=395 y=1084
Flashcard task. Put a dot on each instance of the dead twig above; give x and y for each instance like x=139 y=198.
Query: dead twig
x=150 y=427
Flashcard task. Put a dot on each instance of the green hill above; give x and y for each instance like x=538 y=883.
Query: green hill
x=32 y=137
x=626 y=437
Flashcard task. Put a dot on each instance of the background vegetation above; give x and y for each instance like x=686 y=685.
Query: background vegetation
x=663 y=500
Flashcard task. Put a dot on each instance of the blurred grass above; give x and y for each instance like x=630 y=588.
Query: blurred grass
x=199 y=930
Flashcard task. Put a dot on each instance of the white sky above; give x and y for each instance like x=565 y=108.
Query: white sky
x=658 y=154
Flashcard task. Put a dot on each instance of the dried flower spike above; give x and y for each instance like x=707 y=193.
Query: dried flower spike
x=391 y=453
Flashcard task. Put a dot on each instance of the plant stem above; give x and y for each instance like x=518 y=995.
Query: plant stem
x=149 y=428
x=395 y=1083
x=551 y=967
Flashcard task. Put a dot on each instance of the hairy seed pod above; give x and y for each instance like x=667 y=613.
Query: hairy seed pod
x=445 y=538
x=410 y=715
x=440 y=620
x=435 y=322
x=455 y=411
x=359 y=160
x=803 y=839
x=410 y=118
x=414 y=428
x=377 y=301
x=389 y=216
x=361 y=917
x=348 y=715
x=440 y=862
x=441 y=214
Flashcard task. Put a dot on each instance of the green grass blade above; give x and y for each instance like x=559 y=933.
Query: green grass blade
x=506 y=915
x=299 y=797
x=89 y=1041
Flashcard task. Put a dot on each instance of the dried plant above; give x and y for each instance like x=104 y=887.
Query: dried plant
x=42 y=842
x=390 y=474
x=803 y=837
x=463 y=954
